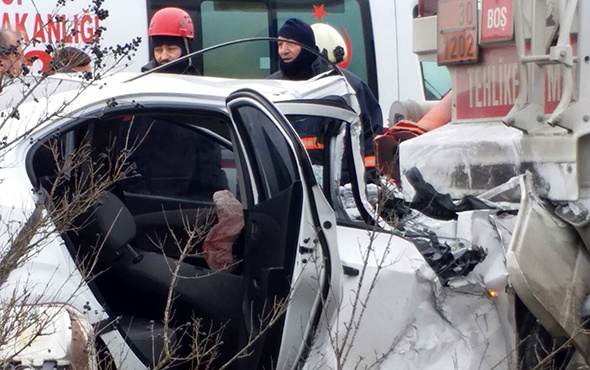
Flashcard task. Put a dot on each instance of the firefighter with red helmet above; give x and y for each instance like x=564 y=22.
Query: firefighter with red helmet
x=170 y=30
x=162 y=143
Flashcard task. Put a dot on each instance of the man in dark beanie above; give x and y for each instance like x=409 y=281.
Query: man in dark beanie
x=170 y=31
x=296 y=63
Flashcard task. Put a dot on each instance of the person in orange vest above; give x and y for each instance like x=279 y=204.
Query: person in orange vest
x=296 y=63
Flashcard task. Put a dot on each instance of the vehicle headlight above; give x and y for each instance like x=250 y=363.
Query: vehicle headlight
x=39 y=334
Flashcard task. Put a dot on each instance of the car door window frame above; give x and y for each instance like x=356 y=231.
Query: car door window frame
x=349 y=117
x=310 y=204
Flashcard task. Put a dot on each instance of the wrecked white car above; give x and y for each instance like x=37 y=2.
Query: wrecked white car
x=112 y=200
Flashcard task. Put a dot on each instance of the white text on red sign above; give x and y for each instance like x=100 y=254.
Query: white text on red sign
x=497 y=22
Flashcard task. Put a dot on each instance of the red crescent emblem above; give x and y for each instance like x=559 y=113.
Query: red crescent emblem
x=345 y=63
x=33 y=55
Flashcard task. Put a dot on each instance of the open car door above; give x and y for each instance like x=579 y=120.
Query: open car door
x=291 y=265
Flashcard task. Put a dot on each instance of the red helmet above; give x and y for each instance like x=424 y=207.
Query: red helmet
x=171 y=22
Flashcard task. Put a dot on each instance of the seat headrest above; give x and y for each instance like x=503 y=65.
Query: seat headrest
x=114 y=223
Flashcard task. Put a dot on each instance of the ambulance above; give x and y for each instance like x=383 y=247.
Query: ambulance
x=376 y=35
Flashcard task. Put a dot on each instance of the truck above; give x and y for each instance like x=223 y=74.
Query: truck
x=519 y=104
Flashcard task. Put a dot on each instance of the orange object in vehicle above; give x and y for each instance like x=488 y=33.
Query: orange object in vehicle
x=386 y=145
x=217 y=247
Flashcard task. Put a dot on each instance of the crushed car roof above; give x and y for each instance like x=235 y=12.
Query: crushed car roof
x=70 y=96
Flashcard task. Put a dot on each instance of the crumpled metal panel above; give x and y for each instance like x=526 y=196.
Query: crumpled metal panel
x=470 y=158
x=549 y=268
x=411 y=320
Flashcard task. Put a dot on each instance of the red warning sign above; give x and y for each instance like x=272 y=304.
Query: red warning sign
x=457 y=32
x=496 y=21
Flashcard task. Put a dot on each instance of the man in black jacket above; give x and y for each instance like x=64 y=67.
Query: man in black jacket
x=170 y=30
x=296 y=63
